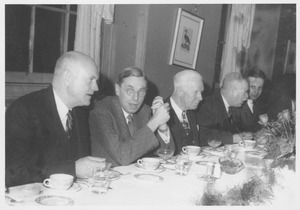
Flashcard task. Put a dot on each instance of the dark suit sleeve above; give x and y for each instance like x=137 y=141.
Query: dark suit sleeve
x=35 y=147
x=19 y=147
x=209 y=126
x=109 y=140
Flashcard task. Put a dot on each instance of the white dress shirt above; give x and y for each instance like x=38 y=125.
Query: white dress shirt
x=177 y=110
x=250 y=104
x=225 y=103
x=62 y=110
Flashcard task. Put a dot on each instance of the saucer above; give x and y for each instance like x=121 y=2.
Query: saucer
x=149 y=177
x=158 y=170
x=74 y=188
x=190 y=155
x=54 y=200
x=219 y=151
x=202 y=163
x=113 y=175
x=169 y=165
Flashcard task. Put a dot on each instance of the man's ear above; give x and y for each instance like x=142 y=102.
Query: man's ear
x=67 y=77
x=180 y=92
x=117 y=89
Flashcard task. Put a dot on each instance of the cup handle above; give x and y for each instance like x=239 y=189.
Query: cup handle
x=139 y=162
x=46 y=182
x=184 y=149
x=241 y=143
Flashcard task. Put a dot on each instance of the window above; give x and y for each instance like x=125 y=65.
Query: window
x=36 y=36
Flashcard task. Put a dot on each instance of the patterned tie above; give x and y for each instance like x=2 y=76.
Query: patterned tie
x=185 y=123
x=69 y=124
x=130 y=125
x=230 y=114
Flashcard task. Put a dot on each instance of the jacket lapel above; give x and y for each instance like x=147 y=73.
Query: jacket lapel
x=118 y=112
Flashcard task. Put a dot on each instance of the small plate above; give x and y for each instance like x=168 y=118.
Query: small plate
x=219 y=151
x=74 y=188
x=184 y=153
x=202 y=163
x=158 y=170
x=54 y=200
x=113 y=175
x=149 y=177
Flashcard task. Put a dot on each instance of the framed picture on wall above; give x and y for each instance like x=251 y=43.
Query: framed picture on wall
x=186 y=40
x=290 y=57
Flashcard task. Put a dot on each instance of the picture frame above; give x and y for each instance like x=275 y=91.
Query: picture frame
x=290 y=57
x=186 y=40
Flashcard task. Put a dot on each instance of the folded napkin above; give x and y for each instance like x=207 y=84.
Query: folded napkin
x=22 y=192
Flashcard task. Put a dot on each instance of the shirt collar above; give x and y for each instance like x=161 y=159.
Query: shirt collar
x=61 y=107
x=225 y=103
x=176 y=108
x=125 y=114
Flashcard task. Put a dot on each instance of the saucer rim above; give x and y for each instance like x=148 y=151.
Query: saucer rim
x=158 y=170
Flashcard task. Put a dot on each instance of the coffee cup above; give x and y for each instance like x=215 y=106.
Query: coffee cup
x=59 y=181
x=248 y=144
x=149 y=163
x=191 y=150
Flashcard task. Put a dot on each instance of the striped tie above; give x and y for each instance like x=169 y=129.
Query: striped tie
x=185 y=123
x=69 y=124
x=130 y=125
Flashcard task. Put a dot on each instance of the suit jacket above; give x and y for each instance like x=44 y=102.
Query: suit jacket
x=213 y=120
x=176 y=128
x=244 y=120
x=36 y=142
x=110 y=135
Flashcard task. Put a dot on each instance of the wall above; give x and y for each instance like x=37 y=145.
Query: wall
x=264 y=38
x=159 y=24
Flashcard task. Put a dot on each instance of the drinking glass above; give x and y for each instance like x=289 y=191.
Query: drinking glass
x=165 y=154
x=182 y=165
x=100 y=180
x=232 y=150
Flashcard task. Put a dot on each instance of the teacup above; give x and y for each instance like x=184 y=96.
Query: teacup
x=149 y=163
x=59 y=181
x=248 y=144
x=191 y=150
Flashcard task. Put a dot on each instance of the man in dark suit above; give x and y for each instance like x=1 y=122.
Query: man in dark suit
x=187 y=94
x=215 y=117
x=122 y=127
x=246 y=117
x=42 y=135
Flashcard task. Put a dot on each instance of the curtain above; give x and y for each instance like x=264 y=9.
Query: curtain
x=88 y=28
x=237 y=39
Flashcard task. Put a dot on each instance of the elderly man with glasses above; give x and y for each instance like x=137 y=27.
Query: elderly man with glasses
x=123 y=128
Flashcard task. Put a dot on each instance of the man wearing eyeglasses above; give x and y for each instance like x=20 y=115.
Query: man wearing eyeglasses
x=122 y=127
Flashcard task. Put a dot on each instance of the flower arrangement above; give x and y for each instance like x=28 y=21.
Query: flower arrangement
x=254 y=191
x=278 y=137
x=272 y=185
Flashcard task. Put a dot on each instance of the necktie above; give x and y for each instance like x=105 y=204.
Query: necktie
x=130 y=124
x=69 y=124
x=230 y=114
x=185 y=123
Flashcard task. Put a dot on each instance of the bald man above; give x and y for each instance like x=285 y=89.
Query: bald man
x=215 y=117
x=187 y=94
x=45 y=133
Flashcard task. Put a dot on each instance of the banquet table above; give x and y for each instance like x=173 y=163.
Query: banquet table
x=129 y=190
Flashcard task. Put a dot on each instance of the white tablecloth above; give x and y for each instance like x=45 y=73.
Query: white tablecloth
x=174 y=190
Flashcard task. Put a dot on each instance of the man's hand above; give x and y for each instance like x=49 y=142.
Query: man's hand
x=160 y=114
x=84 y=166
x=157 y=102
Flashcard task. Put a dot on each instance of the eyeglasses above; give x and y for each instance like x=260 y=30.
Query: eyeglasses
x=131 y=92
